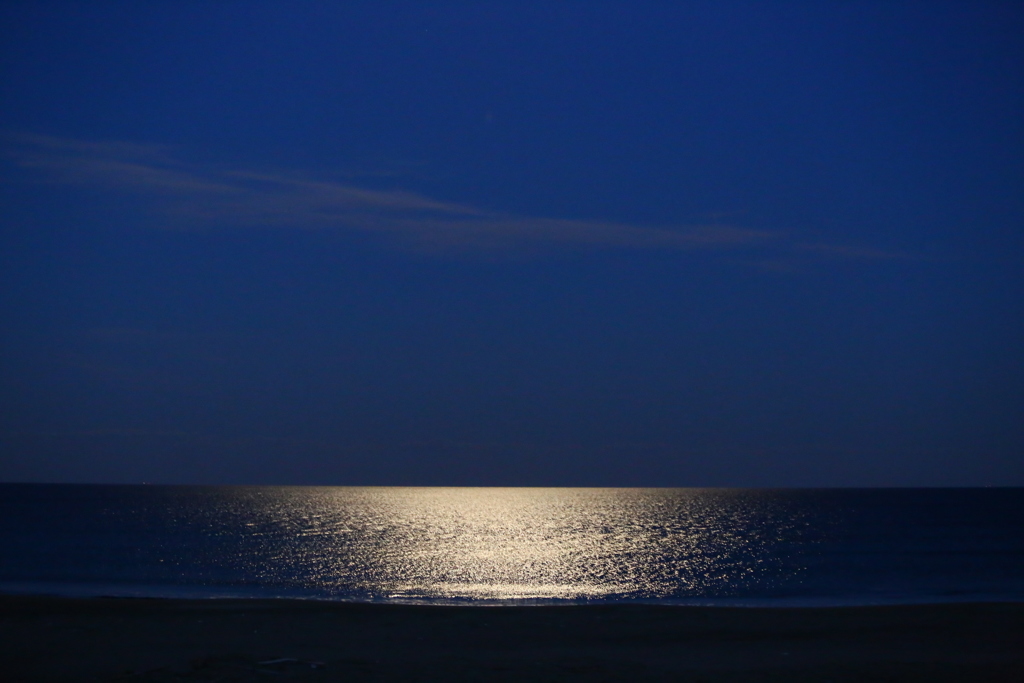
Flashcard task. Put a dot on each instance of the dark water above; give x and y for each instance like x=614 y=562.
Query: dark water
x=701 y=546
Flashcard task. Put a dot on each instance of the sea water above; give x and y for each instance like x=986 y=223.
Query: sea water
x=515 y=545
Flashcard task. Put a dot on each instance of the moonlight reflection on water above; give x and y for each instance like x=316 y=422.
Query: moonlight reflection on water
x=512 y=543
x=521 y=545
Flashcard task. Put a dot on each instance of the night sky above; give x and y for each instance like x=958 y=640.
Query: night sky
x=553 y=243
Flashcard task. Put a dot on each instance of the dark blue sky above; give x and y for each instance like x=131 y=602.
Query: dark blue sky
x=592 y=243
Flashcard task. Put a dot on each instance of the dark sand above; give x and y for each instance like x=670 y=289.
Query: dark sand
x=59 y=639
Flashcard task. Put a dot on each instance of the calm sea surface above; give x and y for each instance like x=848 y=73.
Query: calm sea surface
x=493 y=545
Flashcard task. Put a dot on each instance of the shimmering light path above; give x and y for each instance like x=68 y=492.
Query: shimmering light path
x=520 y=543
x=493 y=545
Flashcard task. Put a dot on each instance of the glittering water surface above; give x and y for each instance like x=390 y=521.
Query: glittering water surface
x=519 y=543
x=515 y=544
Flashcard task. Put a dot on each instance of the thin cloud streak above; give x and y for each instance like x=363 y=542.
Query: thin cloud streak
x=189 y=198
x=192 y=198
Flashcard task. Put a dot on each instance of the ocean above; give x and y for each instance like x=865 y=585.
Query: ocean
x=487 y=546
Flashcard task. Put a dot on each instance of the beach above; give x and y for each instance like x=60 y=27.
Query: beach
x=131 y=639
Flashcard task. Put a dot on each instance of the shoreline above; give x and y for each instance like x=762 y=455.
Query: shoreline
x=122 y=591
x=46 y=638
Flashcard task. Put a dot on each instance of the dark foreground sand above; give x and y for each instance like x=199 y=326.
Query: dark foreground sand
x=58 y=639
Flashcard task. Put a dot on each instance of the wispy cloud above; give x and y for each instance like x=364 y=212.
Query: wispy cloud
x=190 y=197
